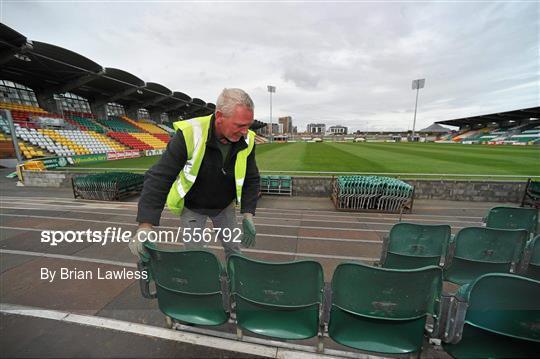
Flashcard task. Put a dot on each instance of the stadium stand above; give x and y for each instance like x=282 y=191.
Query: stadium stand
x=146 y=127
x=117 y=124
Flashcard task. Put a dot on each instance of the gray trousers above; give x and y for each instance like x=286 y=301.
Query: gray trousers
x=225 y=221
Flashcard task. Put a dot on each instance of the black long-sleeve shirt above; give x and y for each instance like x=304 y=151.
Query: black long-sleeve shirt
x=214 y=188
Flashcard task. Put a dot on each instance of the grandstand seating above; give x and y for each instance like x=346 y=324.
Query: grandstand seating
x=383 y=310
x=84 y=122
x=410 y=246
x=117 y=124
x=478 y=250
x=166 y=128
x=496 y=316
x=279 y=300
x=129 y=140
x=145 y=127
x=151 y=140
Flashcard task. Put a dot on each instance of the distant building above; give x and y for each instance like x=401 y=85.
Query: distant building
x=287 y=124
x=337 y=130
x=316 y=128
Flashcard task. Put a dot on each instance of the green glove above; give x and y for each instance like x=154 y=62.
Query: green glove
x=249 y=231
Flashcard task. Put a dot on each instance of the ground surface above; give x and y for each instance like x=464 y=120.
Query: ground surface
x=288 y=228
x=436 y=158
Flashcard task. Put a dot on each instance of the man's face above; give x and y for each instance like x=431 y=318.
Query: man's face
x=235 y=126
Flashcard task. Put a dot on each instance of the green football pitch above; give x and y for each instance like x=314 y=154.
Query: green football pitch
x=427 y=158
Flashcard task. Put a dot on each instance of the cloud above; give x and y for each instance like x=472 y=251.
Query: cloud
x=340 y=63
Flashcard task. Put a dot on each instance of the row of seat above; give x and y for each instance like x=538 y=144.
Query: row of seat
x=472 y=252
x=276 y=185
x=368 y=308
x=145 y=126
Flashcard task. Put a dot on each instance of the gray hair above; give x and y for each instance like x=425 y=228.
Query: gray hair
x=230 y=98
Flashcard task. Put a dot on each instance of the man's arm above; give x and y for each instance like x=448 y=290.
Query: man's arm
x=250 y=190
x=158 y=181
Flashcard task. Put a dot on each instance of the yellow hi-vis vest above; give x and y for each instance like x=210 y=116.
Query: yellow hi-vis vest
x=195 y=133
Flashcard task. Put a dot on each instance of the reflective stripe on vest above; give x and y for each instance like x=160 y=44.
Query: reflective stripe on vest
x=195 y=133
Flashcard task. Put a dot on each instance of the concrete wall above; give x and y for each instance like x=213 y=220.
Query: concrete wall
x=46 y=179
x=475 y=191
x=453 y=190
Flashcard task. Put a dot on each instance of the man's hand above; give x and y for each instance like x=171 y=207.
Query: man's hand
x=249 y=230
x=136 y=245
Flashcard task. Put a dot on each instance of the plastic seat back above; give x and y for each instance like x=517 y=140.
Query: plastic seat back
x=280 y=300
x=480 y=250
x=383 y=310
x=188 y=285
x=416 y=245
x=501 y=318
x=513 y=218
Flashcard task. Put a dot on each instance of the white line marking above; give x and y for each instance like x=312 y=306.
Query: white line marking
x=316 y=213
x=190 y=335
x=141 y=329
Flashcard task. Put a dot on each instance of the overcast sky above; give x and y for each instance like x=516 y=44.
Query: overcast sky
x=347 y=63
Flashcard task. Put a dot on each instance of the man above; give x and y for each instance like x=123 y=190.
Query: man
x=207 y=166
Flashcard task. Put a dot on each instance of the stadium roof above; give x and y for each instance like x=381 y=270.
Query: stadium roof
x=532 y=112
x=435 y=128
x=50 y=69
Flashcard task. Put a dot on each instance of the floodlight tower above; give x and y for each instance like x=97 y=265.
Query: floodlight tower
x=271 y=90
x=416 y=85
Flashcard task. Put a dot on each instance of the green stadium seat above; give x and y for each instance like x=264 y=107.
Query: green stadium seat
x=188 y=285
x=531 y=196
x=383 y=310
x=410 y=245
x=478 y=250
x=495 y=316
x=279 y=300
x=276 y=185
x=264 y=184
x=532 y=258
x=513 y=218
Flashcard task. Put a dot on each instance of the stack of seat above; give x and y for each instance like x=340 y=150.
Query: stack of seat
x=384 y=194
x=107 y=186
